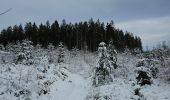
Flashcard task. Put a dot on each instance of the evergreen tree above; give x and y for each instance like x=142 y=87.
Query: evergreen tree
x=3 y=37
x=35 y=35
x=43 y=36
x=102 y=71
x=63 y=31
x=143 y=77
x=54 y=34
x=28 y=30
x=112 y=54
x=25 y=54
x=18 y=33
x=61 y=53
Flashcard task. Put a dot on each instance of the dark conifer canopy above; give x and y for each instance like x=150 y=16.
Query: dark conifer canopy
x=80 y=35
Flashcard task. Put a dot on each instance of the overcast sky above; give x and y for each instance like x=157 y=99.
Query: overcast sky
x=149 y=19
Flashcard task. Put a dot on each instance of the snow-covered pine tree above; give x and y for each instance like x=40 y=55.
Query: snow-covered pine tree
x=61 y=53
x=102 y=71
x=24 y=55
x=143 y=73
x=150 y=61
x=143 y=77
x=112 y=53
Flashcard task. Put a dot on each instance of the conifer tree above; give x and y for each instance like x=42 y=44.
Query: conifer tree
x=61 y=53
x=112 y=54
x=25 y=53
x=102 y=71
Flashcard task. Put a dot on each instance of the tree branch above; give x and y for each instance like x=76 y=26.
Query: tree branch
x=6 y=11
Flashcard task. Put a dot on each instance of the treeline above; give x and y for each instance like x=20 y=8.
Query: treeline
x=82 y=35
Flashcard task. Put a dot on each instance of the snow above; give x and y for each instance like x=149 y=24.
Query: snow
x=73 y=88
x=72 y=79
x=160 y=90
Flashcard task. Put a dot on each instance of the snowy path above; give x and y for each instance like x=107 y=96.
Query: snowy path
x=73 y=88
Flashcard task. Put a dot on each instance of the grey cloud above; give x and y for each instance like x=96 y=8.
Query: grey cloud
x=152 y=31
x=80 y=10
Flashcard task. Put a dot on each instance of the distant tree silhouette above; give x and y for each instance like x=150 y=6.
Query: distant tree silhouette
x=82 y=35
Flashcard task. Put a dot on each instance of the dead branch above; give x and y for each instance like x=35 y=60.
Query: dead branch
x=6 y=11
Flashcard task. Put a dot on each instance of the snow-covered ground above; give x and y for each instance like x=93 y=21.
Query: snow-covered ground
x=72 y=80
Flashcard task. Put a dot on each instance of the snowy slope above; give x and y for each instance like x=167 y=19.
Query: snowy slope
x=72 y=80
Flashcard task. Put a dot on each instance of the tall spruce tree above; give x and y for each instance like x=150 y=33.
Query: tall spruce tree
x=102 y=71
